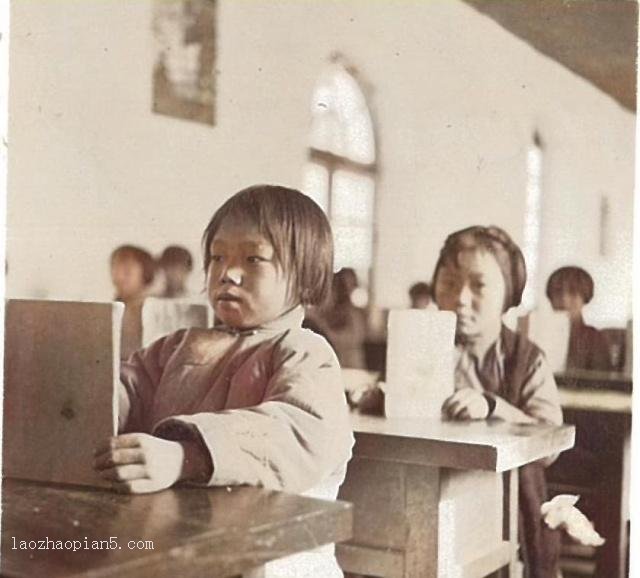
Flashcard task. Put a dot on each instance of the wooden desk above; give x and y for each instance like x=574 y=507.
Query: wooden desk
x=605 y=483
x=195 y=532
x=595 y=380
x=429 y=496
x=603 y=401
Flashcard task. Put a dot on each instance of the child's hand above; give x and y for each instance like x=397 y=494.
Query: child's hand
x=139 y=463
x=466 y=404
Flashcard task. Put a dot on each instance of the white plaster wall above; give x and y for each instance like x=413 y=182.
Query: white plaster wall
x=455 y=99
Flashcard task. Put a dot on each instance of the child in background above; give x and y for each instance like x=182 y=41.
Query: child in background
x=132 y=273
x=176 y=264
x=420 y=296
x=586 y=465
x=256 y=400
x=344 y=324
x=570 y=289
x=479 y=275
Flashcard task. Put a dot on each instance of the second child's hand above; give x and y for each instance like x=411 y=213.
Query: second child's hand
x=139 y=463
x=466 y=404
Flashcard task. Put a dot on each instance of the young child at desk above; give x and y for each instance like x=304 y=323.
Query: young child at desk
x=176 y=265
x=257 y=399
x=132 y=274
x=479 y=275
x=570 y=289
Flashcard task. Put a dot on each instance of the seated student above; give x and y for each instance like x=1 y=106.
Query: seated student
x=570 y=289
x=176 y=264
x=420 y=296
x=343 y=323
x=586 y=465
x=132 y=273
x=479 y=275
x=257 y=399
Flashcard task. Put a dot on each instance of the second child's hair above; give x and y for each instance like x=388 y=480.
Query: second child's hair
x=574 y=280
x=175 y=255
x=420 y=289
x=124 y=252
x=296 y=227
x=498 y=243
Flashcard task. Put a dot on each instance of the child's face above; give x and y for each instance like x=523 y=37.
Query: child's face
x=127 y=276
x=565 y=300
x=246 y=284
x=420 y=302
x=473 y=287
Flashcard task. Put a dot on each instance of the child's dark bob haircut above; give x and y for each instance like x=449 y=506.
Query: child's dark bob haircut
x=573 y=280
x=125 y=252
x=296 y=227
x=498 y=243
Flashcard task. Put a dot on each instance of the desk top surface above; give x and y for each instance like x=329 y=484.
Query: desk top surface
x=195 y=532
x=597 y=401
x=480 y=445
x=595 y=380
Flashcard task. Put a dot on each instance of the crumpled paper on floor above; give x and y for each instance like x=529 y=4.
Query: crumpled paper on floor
x=561 y=512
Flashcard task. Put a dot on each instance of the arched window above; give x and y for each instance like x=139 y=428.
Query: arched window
x=341 y=168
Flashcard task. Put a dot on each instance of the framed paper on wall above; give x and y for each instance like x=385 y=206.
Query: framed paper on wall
x=184 y=46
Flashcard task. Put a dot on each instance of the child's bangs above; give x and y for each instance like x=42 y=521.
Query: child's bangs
x=248 y=211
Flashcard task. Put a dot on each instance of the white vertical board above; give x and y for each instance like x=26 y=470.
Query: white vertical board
x=420 y=362
x=550 y=330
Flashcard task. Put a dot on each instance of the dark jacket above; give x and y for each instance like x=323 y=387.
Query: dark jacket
x=540 y=546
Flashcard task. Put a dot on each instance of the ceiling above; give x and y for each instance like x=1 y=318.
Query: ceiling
x=596 y=39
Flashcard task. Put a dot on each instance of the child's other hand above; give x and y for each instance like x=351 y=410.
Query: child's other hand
x=139 y=463
x=466 y=404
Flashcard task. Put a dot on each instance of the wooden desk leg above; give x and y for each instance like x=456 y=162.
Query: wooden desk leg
x=414 y=521
x=422 y=499
x=611 y=557
x=396 y=516
x=511 y=494
x=510 y=524
x=255 y=573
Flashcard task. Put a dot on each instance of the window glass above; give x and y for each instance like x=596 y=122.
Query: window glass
x=341 y=123
x=340 y=173
x=352 y=198
x=316 y=184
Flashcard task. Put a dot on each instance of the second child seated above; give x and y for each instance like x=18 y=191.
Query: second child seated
x=480 y=274
x=570 y=289
x=256 y=400
x=132 y=274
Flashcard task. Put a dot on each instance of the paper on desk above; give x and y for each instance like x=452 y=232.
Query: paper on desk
x=550 y=330
x=420 y=362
